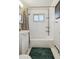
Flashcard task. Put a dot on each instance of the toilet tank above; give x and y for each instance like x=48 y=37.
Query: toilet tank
x=23 y=41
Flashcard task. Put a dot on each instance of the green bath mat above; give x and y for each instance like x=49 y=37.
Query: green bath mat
x=41 y=53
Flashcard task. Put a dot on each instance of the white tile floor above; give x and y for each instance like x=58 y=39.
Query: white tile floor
x=24 y=57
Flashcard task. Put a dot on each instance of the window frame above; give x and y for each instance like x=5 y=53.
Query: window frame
x=39 y=18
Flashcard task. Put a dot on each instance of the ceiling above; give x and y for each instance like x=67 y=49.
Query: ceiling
x=39 y=2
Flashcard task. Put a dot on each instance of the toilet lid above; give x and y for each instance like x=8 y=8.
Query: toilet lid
x=24 y=57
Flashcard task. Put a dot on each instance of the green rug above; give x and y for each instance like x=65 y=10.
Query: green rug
x=41 y=53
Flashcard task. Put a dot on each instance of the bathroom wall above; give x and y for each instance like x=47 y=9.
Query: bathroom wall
x=52 y=21
x=57 y=25
x=56 y=28
x=57 y=33
x=56 y=40
x=45 y=42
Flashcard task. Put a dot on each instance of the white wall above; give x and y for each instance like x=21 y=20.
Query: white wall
x=52 y=21
x=38 y=29
x=56 y=27
x=57 y=33
x=44 y=42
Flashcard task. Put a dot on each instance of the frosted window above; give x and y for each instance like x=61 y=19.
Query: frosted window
x=38 y=17
x=41 y=17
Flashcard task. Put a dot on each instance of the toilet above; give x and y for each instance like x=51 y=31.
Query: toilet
x=24 y=57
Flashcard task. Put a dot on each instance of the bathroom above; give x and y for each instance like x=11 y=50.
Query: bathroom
x=39 y=29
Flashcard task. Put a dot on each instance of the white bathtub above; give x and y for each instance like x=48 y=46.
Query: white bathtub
x=41 y=43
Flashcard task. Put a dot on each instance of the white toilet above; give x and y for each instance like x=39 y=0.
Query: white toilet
x=24 y=57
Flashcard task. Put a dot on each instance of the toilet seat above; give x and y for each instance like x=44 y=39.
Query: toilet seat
x=24 y=57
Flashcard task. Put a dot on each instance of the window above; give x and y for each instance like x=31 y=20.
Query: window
x=38 y=17
x=57 y=10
